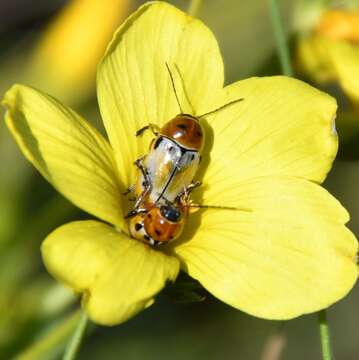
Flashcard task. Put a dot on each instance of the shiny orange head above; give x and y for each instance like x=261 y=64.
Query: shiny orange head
x=186 y=130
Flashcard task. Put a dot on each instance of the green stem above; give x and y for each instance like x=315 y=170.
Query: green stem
x=324 y=335
x=280 y=37
x=194 y=7
x=54 y=338
x=75 y=342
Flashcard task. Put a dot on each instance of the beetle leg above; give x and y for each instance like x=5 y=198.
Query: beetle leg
x=144 y=171
x=187 y=191
x=192 y=186
x=135 y=212
x=129 y=190
x=147 y=181
x=154 y=128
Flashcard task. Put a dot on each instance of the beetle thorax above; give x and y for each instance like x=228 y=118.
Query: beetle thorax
x=186 y=130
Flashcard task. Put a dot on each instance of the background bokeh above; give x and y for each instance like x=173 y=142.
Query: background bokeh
x=32 y=304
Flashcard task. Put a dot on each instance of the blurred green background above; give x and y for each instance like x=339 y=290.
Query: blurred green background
x=33 y=305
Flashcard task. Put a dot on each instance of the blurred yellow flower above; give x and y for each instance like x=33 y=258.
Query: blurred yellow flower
x=330 y=53
x=339 y=25
x=289 y=255
x=65 y=60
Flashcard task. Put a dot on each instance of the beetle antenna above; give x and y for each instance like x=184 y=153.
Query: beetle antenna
x=216 y=207
x=220 y=108
x=174 y=88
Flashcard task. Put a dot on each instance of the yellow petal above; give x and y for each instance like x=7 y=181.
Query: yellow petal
x=345 y=59
x=313 y=60
x=282 y=127
x=68 y=151
x=326 y=60
x=134 y=87
x=65 y=60
x=118 y=276
x=289 y=255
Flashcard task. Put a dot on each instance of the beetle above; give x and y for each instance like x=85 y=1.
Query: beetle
x=174 y=156
x=172 y=161
x=159 y=224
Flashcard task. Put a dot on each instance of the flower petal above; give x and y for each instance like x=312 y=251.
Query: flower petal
x=313 y=59
x=68 y=151
x=282 y=127
x=134 y=87
x=328 y=60
x=118 y=276
x=287 y=254
x=65 y=59
x=345 y=59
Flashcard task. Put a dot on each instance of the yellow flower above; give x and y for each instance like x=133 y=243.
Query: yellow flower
x=330 y=53
x=290 y=254
x=65 y=59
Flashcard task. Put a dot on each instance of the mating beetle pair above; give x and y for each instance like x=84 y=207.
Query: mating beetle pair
x=166 y=176
x=165 y=180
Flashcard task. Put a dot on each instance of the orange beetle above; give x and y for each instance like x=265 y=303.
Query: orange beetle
x=186 y=131
x=159 y=224
x=172 y=161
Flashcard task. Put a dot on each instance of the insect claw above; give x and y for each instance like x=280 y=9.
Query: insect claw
x=126 y=192
x=151 y=127
x=142 y=130
x=138 y=162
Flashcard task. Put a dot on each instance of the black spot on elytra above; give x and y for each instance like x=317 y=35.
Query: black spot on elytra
x=138 y=226
x=158 y=233
x=182 y=126
x=199 y=133
x=158 y=142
